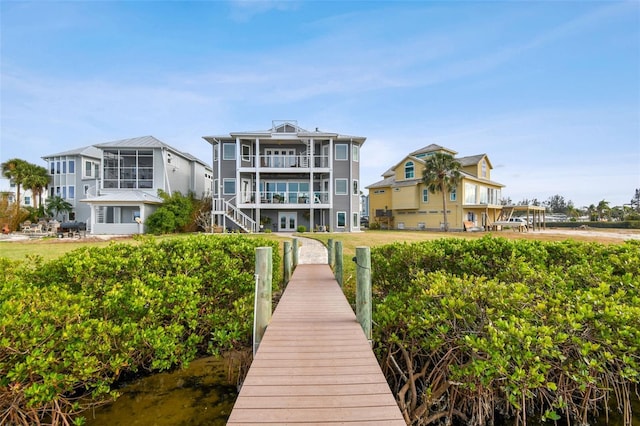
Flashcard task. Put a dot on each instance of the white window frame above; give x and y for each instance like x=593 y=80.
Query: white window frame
x=425 y=195
x=224 y=186
x=356 y=220
x=355 y=187
x=338 y=214
x=453 y=195
x=340 y=147
x=247 y=156
x=409 y=166
x=355 y=153
x=345 y=182
x=225 y=153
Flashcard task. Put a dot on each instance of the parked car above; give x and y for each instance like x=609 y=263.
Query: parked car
x=364 y=221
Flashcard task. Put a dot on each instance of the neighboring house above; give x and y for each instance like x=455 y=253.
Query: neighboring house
x=113 y=187
x=9 y=190
x=401 y=200
x=285 y=177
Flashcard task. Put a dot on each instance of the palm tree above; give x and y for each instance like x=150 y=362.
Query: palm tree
x=15 y=170
x=58 y=204
x=442 y=173
x=37 y=179
x=603 y=209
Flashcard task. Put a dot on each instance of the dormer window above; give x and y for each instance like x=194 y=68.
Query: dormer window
x=409 y=170
x=483 y=167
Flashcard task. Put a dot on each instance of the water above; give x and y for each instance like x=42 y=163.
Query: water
x=198 y=395
x=204 y=394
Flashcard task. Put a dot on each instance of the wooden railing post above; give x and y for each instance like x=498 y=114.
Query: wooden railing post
x=339 y=267
x=287 y=262
x=363 y=289
x=330 y=251
x=295 y=252
x=262 y=301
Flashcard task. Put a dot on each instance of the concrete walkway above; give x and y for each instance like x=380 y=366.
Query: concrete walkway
x=311 y=252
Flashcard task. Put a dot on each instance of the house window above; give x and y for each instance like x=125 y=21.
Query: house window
x=57 y=167
x=72 y=192
x=425 y=195
x=355 y=153
x=52 y=167
x=355 y=187
x=85 y=189
x=342 y=151
x=341 y=219
x=64 y=167
x=88 y=169
x=228 y=151
x=128 y=169
x=409 y=170
x=483 y=167
x=453 y=195
x=342 y=187
x=72 y=166
x=355 y=220
x=246 y=153
x=27 y=201
x=229 y=186
x=215 y=153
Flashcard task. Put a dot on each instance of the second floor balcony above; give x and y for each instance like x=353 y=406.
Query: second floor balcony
x=285 y=161
x=285 y=199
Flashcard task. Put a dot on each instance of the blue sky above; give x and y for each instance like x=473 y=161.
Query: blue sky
x=550 y=91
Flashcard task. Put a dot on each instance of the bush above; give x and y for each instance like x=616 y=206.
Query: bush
x=518 y=328
x=72 y=326
x=302 y=228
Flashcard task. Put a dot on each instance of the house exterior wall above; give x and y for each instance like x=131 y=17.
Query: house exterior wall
x=285 y=177
x=114 y=206
x=402 y=200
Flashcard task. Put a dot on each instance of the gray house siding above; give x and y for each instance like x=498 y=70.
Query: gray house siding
x=286 y=176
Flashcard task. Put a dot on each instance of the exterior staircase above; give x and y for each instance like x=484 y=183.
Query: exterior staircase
x=233 y=213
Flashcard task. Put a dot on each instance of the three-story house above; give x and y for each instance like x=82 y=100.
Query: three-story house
x=286 y=177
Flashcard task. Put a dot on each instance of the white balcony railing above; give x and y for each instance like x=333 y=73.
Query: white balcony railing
x=290 y=197
x=286 y=161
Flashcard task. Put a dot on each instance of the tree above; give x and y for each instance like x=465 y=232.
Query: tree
x=37 y=179
x=635 y=201
x=58 y=205
x=603 y=209
x=175 y=214
x=442 y=174
x=557 y=204
x=15 y=170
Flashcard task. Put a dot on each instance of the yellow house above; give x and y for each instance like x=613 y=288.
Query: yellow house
x=401 y=200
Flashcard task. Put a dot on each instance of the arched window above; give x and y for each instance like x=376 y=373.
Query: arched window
x=408 y=170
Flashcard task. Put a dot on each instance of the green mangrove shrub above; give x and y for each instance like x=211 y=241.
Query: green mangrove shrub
x=71 y=327
x=476 y=330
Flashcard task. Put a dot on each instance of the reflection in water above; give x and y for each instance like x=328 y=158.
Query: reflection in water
x=198 y=395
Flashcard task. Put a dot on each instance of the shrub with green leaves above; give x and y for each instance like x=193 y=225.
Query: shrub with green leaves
x=70 y=327
x=471 y=330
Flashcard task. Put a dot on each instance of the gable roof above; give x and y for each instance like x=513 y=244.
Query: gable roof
x=473 y=160
x=433 y=148
x=95 y=151
x=86 y=151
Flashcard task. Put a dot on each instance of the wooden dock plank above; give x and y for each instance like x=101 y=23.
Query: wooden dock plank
x=314 y=365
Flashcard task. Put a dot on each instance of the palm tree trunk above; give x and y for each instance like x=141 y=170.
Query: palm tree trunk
x=444 y=210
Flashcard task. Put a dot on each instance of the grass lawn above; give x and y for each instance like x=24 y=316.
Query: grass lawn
x=51 y=248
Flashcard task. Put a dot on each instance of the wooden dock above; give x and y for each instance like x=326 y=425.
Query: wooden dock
x=314 y=365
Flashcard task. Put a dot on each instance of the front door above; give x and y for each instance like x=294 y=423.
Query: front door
x=287 y=221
